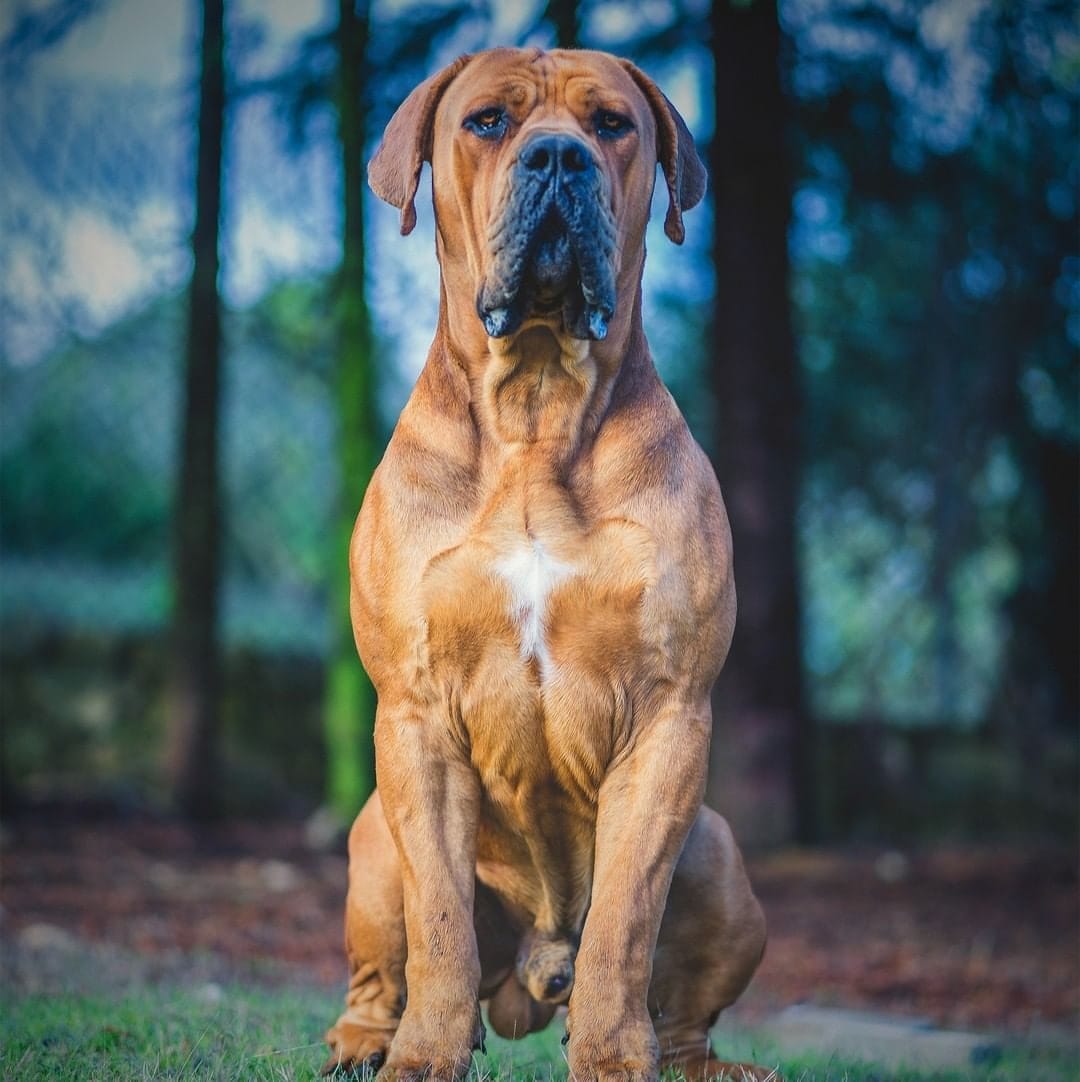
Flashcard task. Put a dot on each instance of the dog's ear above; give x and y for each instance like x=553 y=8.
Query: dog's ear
x=675 y=150
x=394 y=171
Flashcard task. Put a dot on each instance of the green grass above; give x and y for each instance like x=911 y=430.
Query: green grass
x=244 y=1034
x=163 y=1034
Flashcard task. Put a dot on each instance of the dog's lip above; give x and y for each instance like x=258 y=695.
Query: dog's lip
x=551 y=276
x=555 y=278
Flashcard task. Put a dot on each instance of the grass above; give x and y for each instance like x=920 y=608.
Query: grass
x=239 y=1033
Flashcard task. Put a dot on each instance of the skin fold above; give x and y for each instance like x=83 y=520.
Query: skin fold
x=542 y=593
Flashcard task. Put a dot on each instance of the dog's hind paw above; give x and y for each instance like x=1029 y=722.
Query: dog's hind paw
x=355 y=1051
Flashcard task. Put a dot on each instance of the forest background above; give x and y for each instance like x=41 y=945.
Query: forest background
x=209 y=327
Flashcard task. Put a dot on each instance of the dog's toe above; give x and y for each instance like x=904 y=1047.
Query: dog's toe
x=609 y=1071
x=421 y=1073
x=342 y=1067
x=714 y=1070
x=626 y=1074
x=355 y=1051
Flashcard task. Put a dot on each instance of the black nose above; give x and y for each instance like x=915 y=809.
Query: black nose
x=552 y=155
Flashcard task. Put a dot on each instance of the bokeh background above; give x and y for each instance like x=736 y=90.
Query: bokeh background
x=872 y=327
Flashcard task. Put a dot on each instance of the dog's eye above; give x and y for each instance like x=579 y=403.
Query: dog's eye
x=611 y=125
x=487 y=122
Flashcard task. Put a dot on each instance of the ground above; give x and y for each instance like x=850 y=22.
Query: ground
x=972 y=938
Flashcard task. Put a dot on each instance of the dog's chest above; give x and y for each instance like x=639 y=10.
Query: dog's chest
x=533 y=641
x=531 y=573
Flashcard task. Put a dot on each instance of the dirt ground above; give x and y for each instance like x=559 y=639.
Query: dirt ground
x=982 y=938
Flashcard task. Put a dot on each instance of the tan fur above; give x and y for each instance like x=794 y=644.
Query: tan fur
x=543 y=597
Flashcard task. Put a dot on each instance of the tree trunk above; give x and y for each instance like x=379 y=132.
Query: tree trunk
x=945 y=376
x=192 y=706
x=762 y=752
x=565 y=18
x=349 y=701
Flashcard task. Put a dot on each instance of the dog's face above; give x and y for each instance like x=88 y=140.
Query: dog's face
x=543 y=166
x=553 y=155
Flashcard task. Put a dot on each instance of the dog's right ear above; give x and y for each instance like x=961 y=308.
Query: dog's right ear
x=394 y=172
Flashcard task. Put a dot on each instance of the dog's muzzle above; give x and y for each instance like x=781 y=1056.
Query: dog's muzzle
x=552 y=244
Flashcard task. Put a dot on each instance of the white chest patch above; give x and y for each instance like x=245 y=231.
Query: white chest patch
x=531 y=573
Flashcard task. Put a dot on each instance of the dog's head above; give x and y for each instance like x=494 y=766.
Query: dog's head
x=543 y=166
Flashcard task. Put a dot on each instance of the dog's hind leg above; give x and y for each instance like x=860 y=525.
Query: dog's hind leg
x=375 y=946
x=711 y=940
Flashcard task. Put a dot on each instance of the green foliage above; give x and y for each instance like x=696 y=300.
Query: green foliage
x=87 y=456
x=348 y=733
x=935 y=304
x=86 y=446
x=348 y=698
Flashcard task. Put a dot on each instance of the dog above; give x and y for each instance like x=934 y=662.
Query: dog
x=542 y=594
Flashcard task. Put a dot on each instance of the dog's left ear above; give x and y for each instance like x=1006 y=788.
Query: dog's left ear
x=683 y=169
x=394 y=171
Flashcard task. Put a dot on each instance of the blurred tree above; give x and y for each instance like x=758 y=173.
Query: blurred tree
x=192 y=697
x=937 y=304
x=565 y=17
x=339 y=69
x=41 y=27
x=762 y=769
x=349 y=700
x=937 y=308
x=40 y=170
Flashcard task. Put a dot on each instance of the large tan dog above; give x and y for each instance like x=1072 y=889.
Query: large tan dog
x=542 y=593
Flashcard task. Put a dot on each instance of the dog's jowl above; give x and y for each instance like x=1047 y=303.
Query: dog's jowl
x=542 y=594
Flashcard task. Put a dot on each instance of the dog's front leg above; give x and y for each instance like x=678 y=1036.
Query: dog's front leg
x=647 y=805
x=431 y=797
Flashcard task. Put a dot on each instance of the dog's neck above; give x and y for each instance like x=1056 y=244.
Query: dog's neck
x=540 y=391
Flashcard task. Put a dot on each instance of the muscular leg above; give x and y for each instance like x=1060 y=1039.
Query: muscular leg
x=711 y=940
x=610 y=1032
x=376 y=948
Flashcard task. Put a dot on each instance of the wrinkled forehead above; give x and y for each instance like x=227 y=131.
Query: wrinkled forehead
x=528 y=79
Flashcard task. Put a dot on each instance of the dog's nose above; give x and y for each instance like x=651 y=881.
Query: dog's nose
x=549 y=156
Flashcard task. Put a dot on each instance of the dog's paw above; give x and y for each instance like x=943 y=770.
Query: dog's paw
x=423 y=1051
x=626 y=1052
x=428 y=1072
x=355 y=1050
x=715 y=1070
x=613 y=1072
x=424 y=1068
